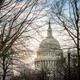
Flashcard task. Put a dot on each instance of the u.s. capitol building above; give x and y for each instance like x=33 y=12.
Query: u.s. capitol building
x=49 y=51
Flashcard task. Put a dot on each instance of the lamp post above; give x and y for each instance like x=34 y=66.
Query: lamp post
x=50 y=75
x=69 y=63
x=54 y=75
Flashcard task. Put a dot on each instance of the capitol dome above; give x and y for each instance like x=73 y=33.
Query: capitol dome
x=49 y=43
x=48 y=51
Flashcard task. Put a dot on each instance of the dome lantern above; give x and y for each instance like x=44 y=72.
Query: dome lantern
x=49 y=31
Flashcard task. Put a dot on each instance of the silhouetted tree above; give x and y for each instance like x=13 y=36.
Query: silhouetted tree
x=16 y=19
x=66 y=13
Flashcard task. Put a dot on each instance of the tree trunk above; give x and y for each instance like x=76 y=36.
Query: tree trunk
x=78 y=54
x=4 y=69
x=4 y=76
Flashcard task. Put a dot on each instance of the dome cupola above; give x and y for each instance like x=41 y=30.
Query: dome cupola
x=49 y=43
x=49 y=31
